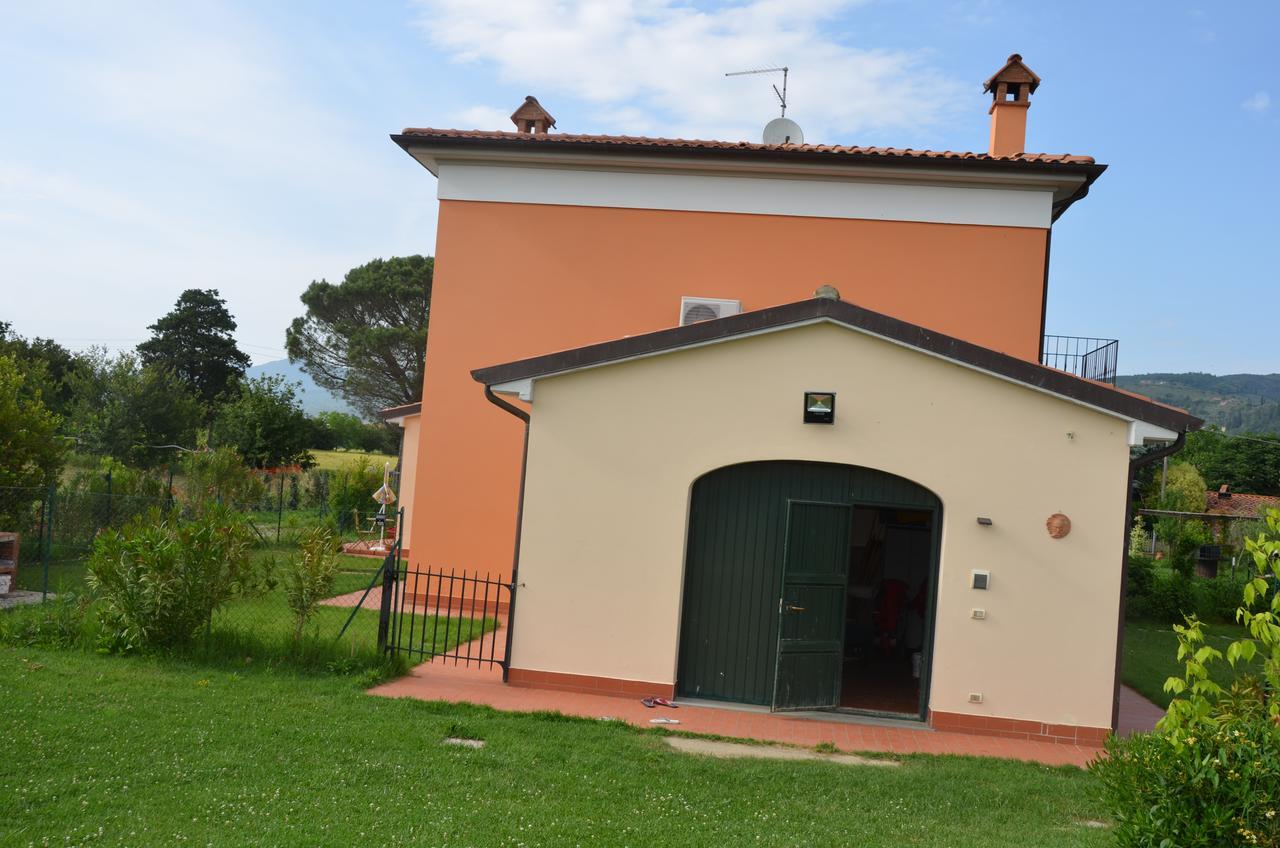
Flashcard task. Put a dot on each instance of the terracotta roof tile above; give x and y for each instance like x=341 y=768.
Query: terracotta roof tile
x=1239 y=504
x=701 y=144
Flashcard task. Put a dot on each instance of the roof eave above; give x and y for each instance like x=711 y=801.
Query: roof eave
x=1004 y=366
x=1087 y=171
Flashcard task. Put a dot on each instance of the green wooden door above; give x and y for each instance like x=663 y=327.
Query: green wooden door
x=733 y=575
x=811 y=610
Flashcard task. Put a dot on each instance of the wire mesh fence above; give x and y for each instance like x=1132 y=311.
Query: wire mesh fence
x=48 y=533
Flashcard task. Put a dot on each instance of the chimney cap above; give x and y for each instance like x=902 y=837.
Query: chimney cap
x=1013 y=72
x=530 y=117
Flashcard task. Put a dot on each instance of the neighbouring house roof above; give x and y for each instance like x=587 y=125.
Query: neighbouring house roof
x=1226 y=502
x=1044 y=164
x=400 y=411
x=1101 y=396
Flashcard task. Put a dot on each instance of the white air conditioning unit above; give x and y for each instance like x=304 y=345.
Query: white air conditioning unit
x=695 y=309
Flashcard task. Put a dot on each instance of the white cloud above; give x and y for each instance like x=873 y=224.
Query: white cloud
x=162 y=147
x=657 y=66
x=1258 y=102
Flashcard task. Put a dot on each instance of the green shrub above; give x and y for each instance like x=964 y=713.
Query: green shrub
x=107 y=494
x=1139 y=580
x=57 y=623
x=1216 y=599
x=309 y=579
x=317 y=487
x=1217 y=787
x=1164 y=598
x=1184 y=546
x=220 y=477
x=351 y=488
x=1210 y=775
x=160 y=580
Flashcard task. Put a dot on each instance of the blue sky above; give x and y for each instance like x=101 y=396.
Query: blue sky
x=150 y=147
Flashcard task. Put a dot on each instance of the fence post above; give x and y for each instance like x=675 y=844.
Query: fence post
x=169 y=488
x=279 y=508
x=390 y=571
x=47 y=543
x=342 y=514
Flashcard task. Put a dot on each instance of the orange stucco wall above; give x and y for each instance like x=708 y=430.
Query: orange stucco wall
x=515 y=280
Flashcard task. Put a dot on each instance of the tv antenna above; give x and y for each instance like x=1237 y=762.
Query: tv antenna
x=782 y=95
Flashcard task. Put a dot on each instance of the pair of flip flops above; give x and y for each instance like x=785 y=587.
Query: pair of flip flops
x=652 y=702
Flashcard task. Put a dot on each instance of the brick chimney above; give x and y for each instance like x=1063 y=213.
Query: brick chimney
x=1011 y=88
x=531 y=117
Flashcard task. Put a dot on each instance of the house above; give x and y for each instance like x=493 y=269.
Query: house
x=769 y=424
x=406 y=417
x=1227 y=503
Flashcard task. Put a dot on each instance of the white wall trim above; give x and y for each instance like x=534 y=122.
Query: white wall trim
x=751 y=195
x=1141 y=433
x=522 y=389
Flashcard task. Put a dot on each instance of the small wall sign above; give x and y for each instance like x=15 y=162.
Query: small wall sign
x=819 y=407
x=1058 y=525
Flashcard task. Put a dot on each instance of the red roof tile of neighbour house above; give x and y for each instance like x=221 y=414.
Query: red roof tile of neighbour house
x=1226 y=502
x=678 y=144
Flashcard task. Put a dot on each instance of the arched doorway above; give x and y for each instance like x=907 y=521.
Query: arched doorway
x=809 y=585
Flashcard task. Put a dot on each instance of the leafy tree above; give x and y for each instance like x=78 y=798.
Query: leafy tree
x=344 y=430
x=1184 y=491
x=194 y=341
x=266 y=424
x=1247 y=463
x=131 y=412
x=31 y=452
x=366 y=337
x=49 y=367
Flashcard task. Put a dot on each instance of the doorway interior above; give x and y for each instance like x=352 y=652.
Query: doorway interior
x=887 y=610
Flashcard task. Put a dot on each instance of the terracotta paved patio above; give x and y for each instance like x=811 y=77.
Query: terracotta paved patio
x=444 y=681
x=457 y=684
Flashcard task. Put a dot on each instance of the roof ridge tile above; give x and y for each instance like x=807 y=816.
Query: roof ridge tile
x=710 y=144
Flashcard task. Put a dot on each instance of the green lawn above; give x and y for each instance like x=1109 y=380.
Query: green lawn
x=334 y=460
x=65 y=573
x=1151 y=651
x=142 y=752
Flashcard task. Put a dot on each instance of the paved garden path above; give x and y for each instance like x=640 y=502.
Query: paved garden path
x=444 y=681
x=441 y=681
x=1137 y=714
x=19 y=597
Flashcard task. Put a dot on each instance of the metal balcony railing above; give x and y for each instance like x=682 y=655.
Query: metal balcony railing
x=1093 y=359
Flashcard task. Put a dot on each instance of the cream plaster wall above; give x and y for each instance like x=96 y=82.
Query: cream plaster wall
x=408 y=467
x=614 y=451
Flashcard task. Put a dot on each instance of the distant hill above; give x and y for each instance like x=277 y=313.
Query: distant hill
x=314 y=399
x=1238 y=402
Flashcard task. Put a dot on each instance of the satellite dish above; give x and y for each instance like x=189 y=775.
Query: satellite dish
x=783 y=131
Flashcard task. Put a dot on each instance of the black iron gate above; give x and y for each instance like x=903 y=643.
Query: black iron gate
x=427 y=614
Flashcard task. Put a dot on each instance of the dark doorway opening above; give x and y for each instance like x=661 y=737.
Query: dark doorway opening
x=772 y=556
x=887 y=610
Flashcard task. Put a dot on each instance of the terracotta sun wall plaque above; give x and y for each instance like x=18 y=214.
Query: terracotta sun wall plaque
x=1059 y=525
